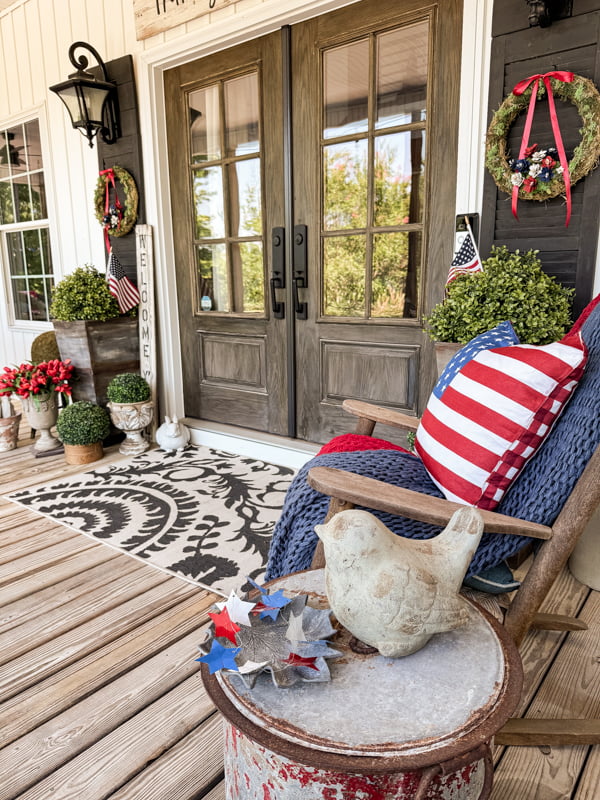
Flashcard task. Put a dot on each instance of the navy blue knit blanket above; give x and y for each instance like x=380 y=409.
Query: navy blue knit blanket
x=537 y=494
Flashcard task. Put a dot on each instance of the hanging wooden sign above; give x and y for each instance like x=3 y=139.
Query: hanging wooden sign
x=157 y=16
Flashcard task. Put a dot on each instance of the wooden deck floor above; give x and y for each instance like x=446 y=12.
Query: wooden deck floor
x=100 y=696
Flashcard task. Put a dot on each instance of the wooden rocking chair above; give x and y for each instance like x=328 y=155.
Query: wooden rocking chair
x=556 y=540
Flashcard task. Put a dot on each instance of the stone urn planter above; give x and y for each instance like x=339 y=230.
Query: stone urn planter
x=41 y=411
x=9 y=432
x=131 y=410
x=132 y=419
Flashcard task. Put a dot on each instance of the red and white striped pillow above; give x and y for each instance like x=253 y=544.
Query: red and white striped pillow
x=479 y=431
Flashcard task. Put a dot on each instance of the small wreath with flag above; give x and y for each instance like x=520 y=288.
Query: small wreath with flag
x=115 y=218
x=539 y=173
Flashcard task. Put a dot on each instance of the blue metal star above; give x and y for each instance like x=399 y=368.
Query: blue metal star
x=220 y=657
x=273 y=602
x=269 y=612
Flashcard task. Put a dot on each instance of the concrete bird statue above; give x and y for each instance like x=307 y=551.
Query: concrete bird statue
x=391 y=592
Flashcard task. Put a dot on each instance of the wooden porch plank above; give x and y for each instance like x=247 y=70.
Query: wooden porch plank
x=216 y=793
x=539 y=646
x=45 y=749
x=40 y=602
x=118 y=757
x=29 y=477
x=552 y=771
x=22 y=547
x=28 y=565
x=180 y=773
x=50 y=575
x=73 y=682
x=24 y=525
x=590 y=779
x=111 y=592
x=32 y=667
x=9 y=510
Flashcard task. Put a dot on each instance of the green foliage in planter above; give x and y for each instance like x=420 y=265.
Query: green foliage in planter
x=128 y=388
x=512 y=286
x=84 y=294
x=83 y=423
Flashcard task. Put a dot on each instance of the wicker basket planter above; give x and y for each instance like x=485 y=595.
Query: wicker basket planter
x=83 y=453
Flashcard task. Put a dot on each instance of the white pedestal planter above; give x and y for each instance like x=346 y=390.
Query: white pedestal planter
x=42 y=412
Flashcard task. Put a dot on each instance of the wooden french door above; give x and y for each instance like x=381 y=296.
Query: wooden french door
x=313 y=193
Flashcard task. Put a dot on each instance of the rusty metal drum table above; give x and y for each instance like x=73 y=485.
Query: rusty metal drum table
x=417 y=727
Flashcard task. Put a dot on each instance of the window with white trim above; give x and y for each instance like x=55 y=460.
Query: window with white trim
x=24 y=222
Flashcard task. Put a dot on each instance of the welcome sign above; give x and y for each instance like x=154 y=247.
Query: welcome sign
x=157 y=16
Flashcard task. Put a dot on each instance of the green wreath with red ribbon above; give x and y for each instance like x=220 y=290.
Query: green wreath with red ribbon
x=116 y=219
x=547 y=179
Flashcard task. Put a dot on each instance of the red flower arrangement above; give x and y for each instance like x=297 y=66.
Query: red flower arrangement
x=29 y=379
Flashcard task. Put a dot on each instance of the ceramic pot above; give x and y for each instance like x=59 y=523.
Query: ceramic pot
x=9 y=432
x=132 y=418
x=42 y=413
x=83 y=453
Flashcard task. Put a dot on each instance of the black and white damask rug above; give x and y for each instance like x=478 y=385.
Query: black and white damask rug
x=202 y=514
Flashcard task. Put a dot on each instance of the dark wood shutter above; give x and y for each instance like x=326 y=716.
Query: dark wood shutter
x=126 y=152
x=568 y=253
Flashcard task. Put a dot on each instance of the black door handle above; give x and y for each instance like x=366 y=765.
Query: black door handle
x=300 y=270
x=277 y=270
x=277 y=306
x=300 y=308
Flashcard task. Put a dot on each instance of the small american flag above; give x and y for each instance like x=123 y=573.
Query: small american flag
x=121 y=288
x=466 y=259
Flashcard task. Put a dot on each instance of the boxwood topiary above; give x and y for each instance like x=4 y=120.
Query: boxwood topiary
x=83 y=423
x=512 y=287
x=128 y=388
x=83 y=294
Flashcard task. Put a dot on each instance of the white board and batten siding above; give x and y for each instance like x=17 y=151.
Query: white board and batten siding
x=35 y=36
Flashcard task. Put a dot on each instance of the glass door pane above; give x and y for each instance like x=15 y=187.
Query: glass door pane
x=373 y=174
x=225 y=168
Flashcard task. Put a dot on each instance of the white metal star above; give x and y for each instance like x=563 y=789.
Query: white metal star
x=237 y=609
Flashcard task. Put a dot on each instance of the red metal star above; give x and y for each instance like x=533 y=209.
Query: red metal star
x=297 y=661
x=224 y=626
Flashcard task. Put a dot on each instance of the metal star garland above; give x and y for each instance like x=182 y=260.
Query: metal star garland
x=277 y=634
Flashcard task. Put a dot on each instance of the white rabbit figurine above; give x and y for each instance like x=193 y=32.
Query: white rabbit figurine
x=173 y=435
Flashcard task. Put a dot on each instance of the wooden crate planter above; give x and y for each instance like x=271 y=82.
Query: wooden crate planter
x=98 y=351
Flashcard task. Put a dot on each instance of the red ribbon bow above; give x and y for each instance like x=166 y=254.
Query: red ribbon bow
x=520 y=88
x=109 y=179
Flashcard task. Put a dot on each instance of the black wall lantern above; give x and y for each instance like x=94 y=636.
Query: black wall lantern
x=545 y=12
x=91 y=103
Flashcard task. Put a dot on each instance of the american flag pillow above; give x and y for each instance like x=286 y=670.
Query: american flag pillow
x=491 y=410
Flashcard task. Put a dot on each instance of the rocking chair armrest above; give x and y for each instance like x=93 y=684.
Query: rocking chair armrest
x=370 y=493
x=385 y=416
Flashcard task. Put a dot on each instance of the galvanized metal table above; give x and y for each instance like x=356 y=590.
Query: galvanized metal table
x=417 y=727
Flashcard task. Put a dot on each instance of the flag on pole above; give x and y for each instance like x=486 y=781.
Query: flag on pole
x=466 y=259
x=121 y=288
